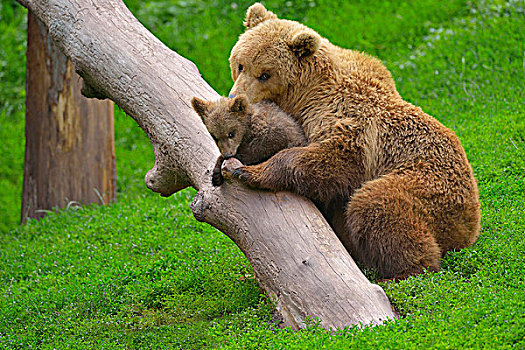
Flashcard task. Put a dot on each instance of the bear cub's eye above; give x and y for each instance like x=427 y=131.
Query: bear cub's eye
x=231 y=134
x=240 y=68
x=264 y=77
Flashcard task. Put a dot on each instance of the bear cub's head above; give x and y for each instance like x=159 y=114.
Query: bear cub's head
x=270 y=55
x=227 y=120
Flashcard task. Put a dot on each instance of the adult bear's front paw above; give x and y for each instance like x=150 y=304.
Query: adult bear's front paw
x=233 y=169
x=245 y=174
x=238 y=173
x=242 y=174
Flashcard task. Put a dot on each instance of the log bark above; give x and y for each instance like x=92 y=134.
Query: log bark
x=296 y=256
x=70 y=153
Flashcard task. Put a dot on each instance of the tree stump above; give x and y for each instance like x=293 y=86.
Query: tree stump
x=70 y=153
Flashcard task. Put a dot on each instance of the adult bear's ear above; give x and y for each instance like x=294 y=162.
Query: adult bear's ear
x=256 y=14
x=239 y=104
x=305 y=43
x=200 y=106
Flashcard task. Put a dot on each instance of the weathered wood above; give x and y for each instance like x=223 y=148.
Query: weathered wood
x=70 y=154
x=296 y=257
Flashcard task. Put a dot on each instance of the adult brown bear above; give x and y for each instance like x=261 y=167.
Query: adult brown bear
x=397 y=184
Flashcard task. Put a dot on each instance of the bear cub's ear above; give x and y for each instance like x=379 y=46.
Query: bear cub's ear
x=305 y=43
x=200 y=106
x=256 y=14
x=239 y=104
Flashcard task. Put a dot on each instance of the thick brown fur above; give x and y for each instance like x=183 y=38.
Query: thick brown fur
x=250 y=133
x=395 y=183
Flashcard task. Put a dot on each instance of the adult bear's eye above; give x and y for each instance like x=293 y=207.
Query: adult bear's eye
x=264 y=77
x=231 y=134
x=240 y=68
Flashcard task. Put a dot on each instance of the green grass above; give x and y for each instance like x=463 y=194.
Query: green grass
x=12 y=108
x=142 y=273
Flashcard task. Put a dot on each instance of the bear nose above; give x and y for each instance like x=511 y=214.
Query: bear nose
x=231 y=95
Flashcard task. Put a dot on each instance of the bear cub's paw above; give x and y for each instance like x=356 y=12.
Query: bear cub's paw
x=217 y=179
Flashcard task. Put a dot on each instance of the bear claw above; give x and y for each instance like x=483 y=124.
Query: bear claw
x=237 y=173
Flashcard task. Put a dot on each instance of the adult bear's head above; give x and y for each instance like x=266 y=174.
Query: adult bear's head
x=271 y=55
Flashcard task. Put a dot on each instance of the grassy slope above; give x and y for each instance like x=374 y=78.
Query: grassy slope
x=143 y=273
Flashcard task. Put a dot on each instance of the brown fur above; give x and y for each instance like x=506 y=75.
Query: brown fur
x=395 y=183
x=250 y=133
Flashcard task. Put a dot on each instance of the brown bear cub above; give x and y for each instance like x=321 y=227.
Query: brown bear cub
x=250 y=133
x=395 y=183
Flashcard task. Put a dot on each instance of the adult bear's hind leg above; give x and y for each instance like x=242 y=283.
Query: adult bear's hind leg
x=387 y=229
